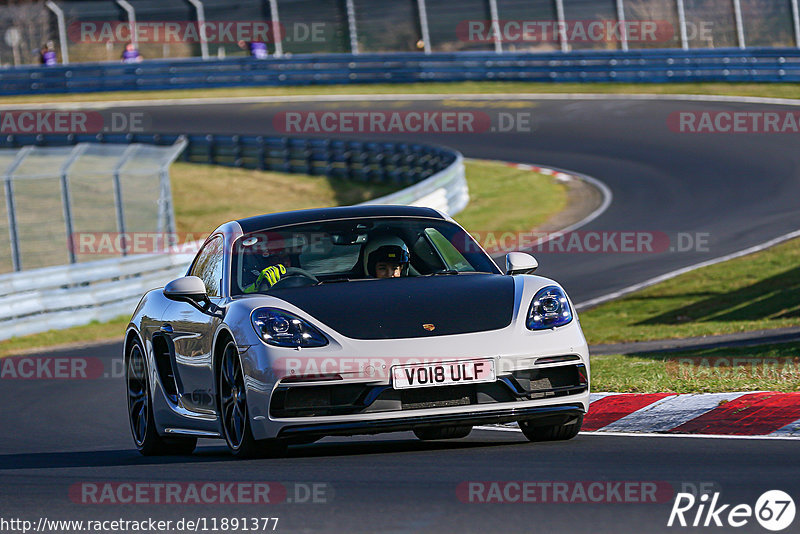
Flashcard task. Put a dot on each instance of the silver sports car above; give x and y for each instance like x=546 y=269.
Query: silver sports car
x=342 y=321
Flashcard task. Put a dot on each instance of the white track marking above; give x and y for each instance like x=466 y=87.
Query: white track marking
x=683 y=270
x=769 y=437
x=669 y=412
x=695 y=436
x=790 y=430
x=403 y=96
x=594 y=397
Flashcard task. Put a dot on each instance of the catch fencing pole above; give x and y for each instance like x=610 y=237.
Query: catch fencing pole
x=682 y=25
x=423 y=25
x=12 y=216
x=562 y=26
x=737 y=13
x=275 y=22
x=65 y=196
x=62 y=30
x=201 y=23
x=351 y=26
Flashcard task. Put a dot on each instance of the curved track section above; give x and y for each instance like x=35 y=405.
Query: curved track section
x=730 y=191
x=739 y=189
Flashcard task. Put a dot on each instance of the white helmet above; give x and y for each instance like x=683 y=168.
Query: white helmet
x=378 y=248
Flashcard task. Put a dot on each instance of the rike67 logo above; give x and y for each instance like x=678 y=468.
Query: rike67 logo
x=774 y=510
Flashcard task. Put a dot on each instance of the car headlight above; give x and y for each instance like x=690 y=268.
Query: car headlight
x=282 y=329
x=550 y=308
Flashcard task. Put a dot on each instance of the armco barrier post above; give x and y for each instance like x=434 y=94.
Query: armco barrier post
x=796 y=20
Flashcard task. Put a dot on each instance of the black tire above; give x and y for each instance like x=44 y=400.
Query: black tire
x=442 y=432
x=236 y=428
x=551 y=432
x=140 y=410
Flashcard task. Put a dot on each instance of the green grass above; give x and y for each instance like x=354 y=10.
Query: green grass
x=508 y=199
x=200 y=207
x=777 y=90
x=760 y=368
x=209 y=195
x=94 y=331
x=758 y=291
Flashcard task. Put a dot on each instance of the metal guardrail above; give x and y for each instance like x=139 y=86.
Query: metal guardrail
x=652 y=65
x=70 y=295
x=446 y=191
x=89 y=295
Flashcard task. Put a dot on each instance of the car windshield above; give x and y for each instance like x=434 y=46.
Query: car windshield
x=352 y=250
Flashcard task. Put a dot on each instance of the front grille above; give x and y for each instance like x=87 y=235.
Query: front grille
x=438 y=397
x=550 y=381
x=347 y=399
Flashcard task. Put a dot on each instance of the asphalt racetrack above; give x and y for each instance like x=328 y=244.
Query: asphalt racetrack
x=739 y=190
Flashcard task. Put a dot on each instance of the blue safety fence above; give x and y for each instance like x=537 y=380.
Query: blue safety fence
x=369 y=162
x=670 y=65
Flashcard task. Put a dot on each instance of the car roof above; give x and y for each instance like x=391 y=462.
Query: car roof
x=273 y=220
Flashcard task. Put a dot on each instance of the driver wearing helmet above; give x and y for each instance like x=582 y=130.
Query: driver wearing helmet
x=386 y=257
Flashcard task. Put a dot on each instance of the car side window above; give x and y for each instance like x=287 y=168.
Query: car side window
x=450 y=254
x=208 y=266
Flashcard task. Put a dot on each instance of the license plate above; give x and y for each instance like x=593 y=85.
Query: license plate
x=421 y=375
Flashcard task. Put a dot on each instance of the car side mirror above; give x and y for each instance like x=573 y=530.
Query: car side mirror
x=520 y=263
x=189 y=288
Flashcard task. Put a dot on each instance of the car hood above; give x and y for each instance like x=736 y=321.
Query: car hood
x=402 y=307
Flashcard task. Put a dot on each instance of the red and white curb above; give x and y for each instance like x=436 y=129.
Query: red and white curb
x=734 y=414
x=559 y=175
x=759 y=414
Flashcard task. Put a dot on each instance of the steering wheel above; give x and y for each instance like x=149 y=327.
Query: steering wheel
x=295 y=277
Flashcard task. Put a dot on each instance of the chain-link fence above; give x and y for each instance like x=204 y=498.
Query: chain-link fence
x=100 y=30
x=80 y=203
